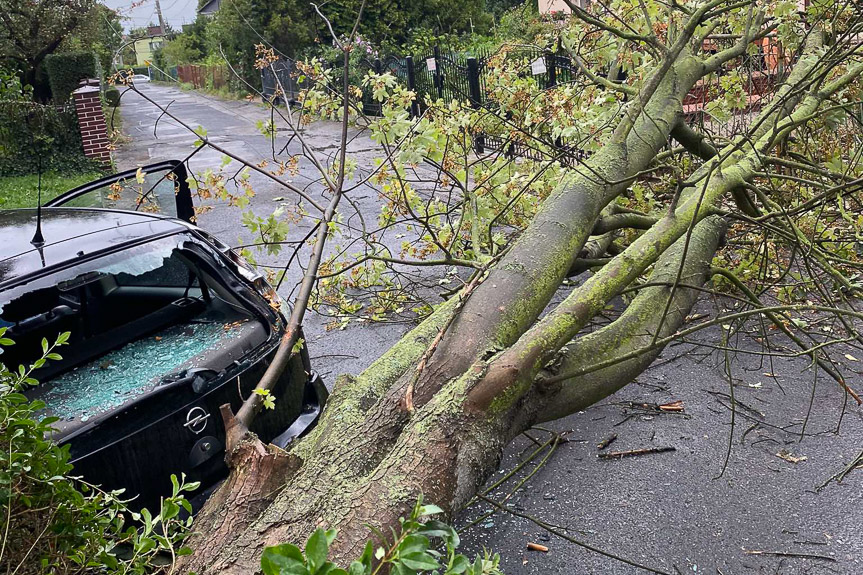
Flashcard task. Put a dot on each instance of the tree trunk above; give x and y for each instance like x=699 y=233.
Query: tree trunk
x=398 y=431
x=371 y=456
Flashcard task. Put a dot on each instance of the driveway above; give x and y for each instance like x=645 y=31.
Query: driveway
x=677 y=511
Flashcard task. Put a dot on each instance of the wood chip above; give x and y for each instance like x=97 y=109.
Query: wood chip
x=673 y=406
x=537 y=547
x=790 y=458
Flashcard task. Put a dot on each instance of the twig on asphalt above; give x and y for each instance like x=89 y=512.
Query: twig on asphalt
x=551 y=529
x=554 y=441
x=607 y=441
x=791 y=554
x=838 y=477
x=634 y=452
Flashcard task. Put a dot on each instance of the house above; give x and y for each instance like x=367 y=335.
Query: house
x=144 y=47
x=210 y=7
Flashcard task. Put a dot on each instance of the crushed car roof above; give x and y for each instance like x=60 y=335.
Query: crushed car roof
x=70 y=234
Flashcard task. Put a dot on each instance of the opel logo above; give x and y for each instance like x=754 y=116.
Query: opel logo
x=196 y=420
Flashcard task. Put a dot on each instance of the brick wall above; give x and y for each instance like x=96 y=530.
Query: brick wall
x=91 y=121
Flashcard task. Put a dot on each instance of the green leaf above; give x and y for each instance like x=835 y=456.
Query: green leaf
x=331 y=536
x=316 y=550
x=298 y=346
x=169 y=510
x=329 y=568
x=460 y=564
x=285 y=559
x=413 y=544
x=430 y=510
x=145 y=544
x=419 y=561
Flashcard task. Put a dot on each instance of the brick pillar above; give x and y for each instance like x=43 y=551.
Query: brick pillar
x=91 y=122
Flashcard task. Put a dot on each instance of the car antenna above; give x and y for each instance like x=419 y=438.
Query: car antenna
x=38 y=240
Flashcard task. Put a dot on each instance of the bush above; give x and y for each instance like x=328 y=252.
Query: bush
x=11 y=88
x=55 y=523
x=34 y=137
x=112 y=97
x=424 y=546
x=66 y=70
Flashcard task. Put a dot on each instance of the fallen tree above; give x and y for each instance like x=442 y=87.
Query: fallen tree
x=432 y=415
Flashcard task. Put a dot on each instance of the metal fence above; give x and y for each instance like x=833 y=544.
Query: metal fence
x=283 y=75
x=453 y=75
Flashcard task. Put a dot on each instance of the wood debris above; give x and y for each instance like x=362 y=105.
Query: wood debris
x=537 y=547
x=790 y=554
x=607 y=441
x=790 y=457
x=634 y=452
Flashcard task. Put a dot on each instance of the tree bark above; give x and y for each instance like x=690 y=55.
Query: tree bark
x=495 y=368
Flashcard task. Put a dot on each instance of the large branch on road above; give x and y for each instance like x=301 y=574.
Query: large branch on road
x=527 y=277
x=637 y=326
x=374 y=453
x=511 y=374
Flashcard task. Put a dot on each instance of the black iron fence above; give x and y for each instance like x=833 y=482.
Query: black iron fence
x=466 y=77
x=281 y=77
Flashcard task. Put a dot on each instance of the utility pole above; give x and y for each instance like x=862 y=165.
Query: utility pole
x=161 y=18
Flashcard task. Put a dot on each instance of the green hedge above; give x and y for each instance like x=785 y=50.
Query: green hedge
x=66 y=70
x=30 y=132
x=112 y=97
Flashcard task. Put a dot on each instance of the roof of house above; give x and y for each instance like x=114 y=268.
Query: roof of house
x=210 y=7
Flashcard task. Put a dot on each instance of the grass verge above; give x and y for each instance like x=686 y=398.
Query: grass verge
x=22 y=191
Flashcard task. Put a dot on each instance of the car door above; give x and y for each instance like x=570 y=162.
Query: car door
x=160 y=188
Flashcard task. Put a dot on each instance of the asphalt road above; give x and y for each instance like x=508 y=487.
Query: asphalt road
x=233 y=126
x=681 y=511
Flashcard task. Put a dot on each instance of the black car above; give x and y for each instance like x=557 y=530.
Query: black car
x=167 y=324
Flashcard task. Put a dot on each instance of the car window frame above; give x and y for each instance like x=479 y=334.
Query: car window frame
x=183 y=197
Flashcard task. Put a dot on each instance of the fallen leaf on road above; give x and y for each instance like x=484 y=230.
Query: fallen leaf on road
x=850 y=357
x=673 y=406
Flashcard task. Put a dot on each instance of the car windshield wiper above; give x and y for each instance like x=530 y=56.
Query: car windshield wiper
x=199 y=377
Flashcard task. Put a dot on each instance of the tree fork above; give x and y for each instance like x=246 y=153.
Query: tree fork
x=634 y=329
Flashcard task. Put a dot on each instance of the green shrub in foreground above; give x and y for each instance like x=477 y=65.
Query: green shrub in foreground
x=53 y=522
x=423 y=545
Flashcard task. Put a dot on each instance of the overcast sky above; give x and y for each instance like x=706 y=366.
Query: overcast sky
x=176 y=12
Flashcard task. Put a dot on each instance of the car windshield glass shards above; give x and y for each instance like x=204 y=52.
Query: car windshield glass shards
x=140 y=319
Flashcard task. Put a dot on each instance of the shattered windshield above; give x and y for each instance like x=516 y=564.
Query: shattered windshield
x=139 y=319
